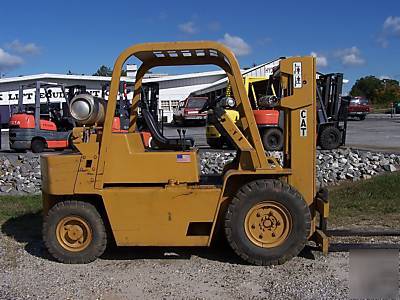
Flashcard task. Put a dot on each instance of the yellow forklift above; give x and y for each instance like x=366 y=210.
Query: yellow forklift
x=112 y=188
x=268 y=120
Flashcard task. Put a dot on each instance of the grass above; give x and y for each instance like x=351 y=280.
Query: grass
x=376 y=197
x=20 y=221
x=15 y=206
x=373 y=198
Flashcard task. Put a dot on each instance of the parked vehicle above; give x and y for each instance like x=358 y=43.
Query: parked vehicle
x=42 y=125
x=359 y=108
x=331 y=113
x=110 y=189
x=188 y=111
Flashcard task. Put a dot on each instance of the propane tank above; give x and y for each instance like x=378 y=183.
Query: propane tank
x=87 y=109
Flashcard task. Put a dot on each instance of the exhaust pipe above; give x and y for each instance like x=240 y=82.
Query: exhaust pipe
x=87 y=109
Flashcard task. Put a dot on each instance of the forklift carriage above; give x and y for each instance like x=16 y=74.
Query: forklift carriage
x=113 y=188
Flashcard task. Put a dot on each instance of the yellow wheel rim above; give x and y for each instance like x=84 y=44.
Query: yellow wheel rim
x=268 y=224
x=74 y=233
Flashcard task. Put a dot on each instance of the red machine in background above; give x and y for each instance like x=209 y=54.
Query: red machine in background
x=39 y=126
x=149 y=100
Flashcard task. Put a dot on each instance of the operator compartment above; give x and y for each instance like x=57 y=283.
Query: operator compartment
x=156 y=166
x=127 y=160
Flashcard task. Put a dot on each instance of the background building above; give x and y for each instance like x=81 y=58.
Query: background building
x=172 y=88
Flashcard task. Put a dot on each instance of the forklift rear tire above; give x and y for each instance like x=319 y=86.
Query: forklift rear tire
x=267 y=222
x=74 y=232
x=38 y=145
x=330 y=138
x=272 y=139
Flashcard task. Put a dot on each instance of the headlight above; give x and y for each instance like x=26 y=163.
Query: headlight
x=230 y=102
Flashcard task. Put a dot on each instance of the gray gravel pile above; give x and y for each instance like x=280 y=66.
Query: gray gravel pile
x=347 y=164
x=333 y=166
x=20 y=174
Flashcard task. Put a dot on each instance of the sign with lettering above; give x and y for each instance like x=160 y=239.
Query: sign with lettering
x=55 y=95
x=297 y=77
x=303 y=122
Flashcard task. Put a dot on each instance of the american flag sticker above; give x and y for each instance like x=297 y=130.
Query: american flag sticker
x=183 y=158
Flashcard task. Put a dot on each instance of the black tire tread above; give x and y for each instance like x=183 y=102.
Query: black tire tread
x=99 y=248
x=35 y=147
x=324 y=138
x=241 y=195
x=269 y=131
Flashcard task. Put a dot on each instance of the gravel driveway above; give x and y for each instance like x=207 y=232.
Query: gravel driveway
x=26 y=272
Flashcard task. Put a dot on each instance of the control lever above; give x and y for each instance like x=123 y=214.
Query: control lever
x=183 y=139
x=180 y=136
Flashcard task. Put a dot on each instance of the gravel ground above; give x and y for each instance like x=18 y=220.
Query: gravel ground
x=26 y=271
x=178 y=274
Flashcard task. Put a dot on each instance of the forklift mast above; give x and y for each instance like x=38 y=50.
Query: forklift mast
x=329 y=91
x=331 y=106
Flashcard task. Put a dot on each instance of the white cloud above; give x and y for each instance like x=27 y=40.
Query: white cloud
x=18 y=47
x=188 y=27
x=385 y=77
x=322 y=61
x=350 y=56
x=390 y=29
x=392 y=25
x=236 y=44
x=9 y=61
x=383 y=41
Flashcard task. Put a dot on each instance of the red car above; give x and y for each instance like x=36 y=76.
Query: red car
x=359 y=108
x=188 y=111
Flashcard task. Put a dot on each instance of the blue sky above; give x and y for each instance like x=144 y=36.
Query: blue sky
x=357 y=38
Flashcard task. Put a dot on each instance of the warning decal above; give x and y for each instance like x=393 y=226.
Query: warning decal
x=297 y=79
x=303 y=122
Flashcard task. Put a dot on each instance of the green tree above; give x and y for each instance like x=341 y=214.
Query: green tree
x=381 y=92
x=103 y=71
x=367 y=87
x=390 y=91
x=106 y=71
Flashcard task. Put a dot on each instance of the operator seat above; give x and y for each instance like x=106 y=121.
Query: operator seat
x=161 y=141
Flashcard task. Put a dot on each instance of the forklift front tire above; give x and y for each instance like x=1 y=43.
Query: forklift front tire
x=74 y=232
x=267 y=222
x=38 y=145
